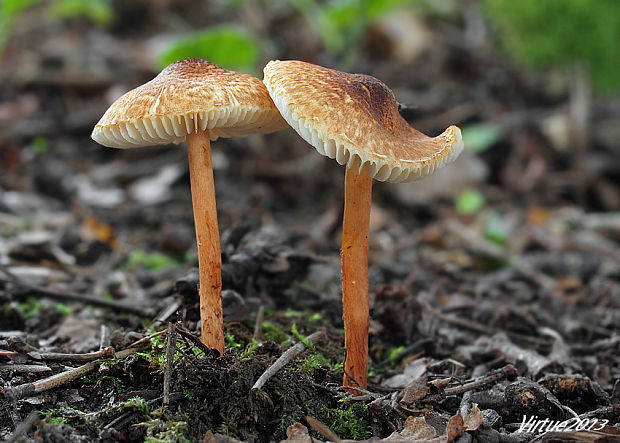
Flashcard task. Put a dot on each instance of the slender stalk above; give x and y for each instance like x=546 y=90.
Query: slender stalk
x=207 y=239
x=354 y=256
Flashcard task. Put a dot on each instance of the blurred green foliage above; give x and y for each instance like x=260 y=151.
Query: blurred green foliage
x=494 y=230
x=478 y=137
x=9 y=11
x=224 y=45
x=341 y=23
x=562 y=32
x=97 y=11
x=152 y=261
x=469 y=202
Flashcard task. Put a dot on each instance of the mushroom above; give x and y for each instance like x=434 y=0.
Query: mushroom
x=354 y=119
x=197 y=101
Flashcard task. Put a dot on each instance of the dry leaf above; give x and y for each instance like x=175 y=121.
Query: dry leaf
x=298 y=433
x=455 y=428
x=417 y=428
x=473 y=419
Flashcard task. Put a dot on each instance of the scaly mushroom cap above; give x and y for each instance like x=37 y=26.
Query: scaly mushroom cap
x=345 y=116
x=188 y=95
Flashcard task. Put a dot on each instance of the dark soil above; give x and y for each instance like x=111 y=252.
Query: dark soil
x=97 y=250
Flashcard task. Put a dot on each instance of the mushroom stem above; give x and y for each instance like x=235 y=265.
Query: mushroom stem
x=354 y=256
x=207 y=239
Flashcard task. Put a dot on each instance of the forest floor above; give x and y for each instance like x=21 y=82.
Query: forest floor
x=480 y=317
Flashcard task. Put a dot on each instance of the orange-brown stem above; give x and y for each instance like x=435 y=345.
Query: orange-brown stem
x=207 y=239
x=354 y=255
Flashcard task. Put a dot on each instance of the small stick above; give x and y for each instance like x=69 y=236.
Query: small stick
x=69 y=296
x=191 y=337
x=613 y=410
x=165 y=313
x=171 y=346
x=56 y=380
x=5 y=353
x=147 y=338
x=481 y=382
x=285 y=358
x=323 y=430
x=89 y=356
x=26 y=368
x=258 y=326
x=104 y=341
x=473 y=239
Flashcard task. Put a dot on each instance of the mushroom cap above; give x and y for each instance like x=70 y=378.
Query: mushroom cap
x=345 y=116
x=186 y=96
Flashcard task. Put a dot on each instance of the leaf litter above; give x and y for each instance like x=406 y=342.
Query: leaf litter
x=479 y=317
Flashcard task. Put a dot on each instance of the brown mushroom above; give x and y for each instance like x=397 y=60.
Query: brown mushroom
x=354 y=119
x=197 y=101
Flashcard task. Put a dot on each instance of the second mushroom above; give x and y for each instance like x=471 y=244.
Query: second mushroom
x=197 y=101
x=354 y=119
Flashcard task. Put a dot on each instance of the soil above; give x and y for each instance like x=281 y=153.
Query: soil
x=479 y=319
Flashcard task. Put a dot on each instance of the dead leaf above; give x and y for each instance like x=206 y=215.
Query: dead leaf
x=93 y=229
x=210 y=437
x=455 y=428
x=440 y=384
x=298 y=433
x=414 y=392
x=416 y=427
x=474 y=419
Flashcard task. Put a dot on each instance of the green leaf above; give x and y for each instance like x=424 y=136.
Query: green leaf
x=225 y=45
x=494 y=231
x=481 y=136
x=469 y=202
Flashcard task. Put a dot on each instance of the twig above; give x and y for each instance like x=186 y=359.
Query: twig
x=473 y=239
x=613 y=411
x=165 y=313
x=23 y=427
x=285 y=358
x=28 y=369
x=468 y=324
x=104 y=341
x=69 y=296
x=56 y=380
x=182 y=330
x=323 y=430
x=258 y=326
x=494 y=376
x=171 y=346
x=147 y=338
x=77 y=358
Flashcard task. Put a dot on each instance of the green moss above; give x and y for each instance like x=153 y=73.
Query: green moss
x=250 y=349
x=274 y=332
x=349 y=422
x=560 y=32
x=137 y=403
x=315 y=361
